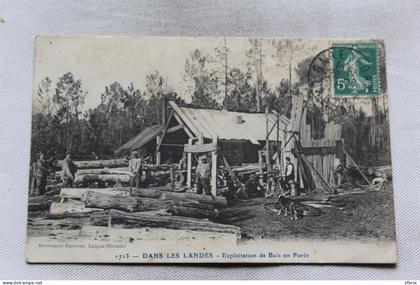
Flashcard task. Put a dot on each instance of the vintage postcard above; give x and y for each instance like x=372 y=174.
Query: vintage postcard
x=210 y=150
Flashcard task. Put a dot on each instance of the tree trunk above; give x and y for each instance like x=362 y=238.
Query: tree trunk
x=103 y=201
x=117 y=170
x=80 y=193
x=189 y=211
x=122 y=178
x=148 y=193
x=41 y=203
x=218 y=202
x=133 y=220
x=120 y=162
x=58 y=209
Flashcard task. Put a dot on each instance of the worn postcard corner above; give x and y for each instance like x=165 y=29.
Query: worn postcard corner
x=211 y=150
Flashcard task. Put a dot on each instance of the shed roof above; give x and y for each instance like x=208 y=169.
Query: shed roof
x=141 y=139
x=228 y=125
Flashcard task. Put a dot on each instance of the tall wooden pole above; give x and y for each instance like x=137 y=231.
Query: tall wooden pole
x=214 y=169
x=189 y=166
x=267 y=150
x=158 y=142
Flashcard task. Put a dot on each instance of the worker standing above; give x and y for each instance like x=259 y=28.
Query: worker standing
x=68 y=171
x=183 y=170
x=288 y=177
x=41 y=175
x=289 y=173
x=203 y=172
x=135 y=167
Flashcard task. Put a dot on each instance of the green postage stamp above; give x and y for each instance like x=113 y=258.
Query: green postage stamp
x=355 y=70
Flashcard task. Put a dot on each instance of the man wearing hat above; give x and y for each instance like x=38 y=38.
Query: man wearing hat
x=69 y=169
x=203 y=173
x=135 y=167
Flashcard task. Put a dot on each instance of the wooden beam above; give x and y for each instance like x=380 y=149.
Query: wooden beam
x=319 y=150
x=179 y=120
x=200 y=148
x=159 y=139
x=188 y=122
x=355 y=164
x=214 y=169
x=172 y=144
x=272 y=128
x=229 y=169
x=175 y=128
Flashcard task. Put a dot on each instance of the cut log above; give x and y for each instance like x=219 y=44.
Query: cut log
x=53 y=189
x=120 y=162
x=107 y=170
x=164 y=193
x=41 y=203
x=140 y=204
x=235 y=214
x=103 y=201
x=133 y=220
x=76 y=215
x=162 y=167
x=79 y=193
x=148 y=193
x=44 y=227
x=70 y=207
x=122 y=178
x=188 y=211
x=218 y=202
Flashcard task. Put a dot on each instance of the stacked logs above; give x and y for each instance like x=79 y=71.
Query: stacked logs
x=130 y=207
x=115 y=170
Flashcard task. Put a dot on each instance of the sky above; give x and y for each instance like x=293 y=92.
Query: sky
x=100 y=61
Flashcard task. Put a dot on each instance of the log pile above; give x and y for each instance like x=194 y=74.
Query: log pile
x=103 y=173
x=117 y=206
x=129 y=207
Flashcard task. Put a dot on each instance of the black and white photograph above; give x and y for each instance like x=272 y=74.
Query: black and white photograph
x=210 y=150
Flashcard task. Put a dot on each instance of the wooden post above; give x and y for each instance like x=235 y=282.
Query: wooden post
x=172 y=176
x=279 y=170
x=355 y=164
x=267 y=152
x=189 y=166
x=200 y=138
x=261 y=166
x=214 y=169
x=164 y=109
x=158 y=142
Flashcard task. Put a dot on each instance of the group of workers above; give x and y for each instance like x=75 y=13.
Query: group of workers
x=250 y=188
x=247 y=189
x=41 y=168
